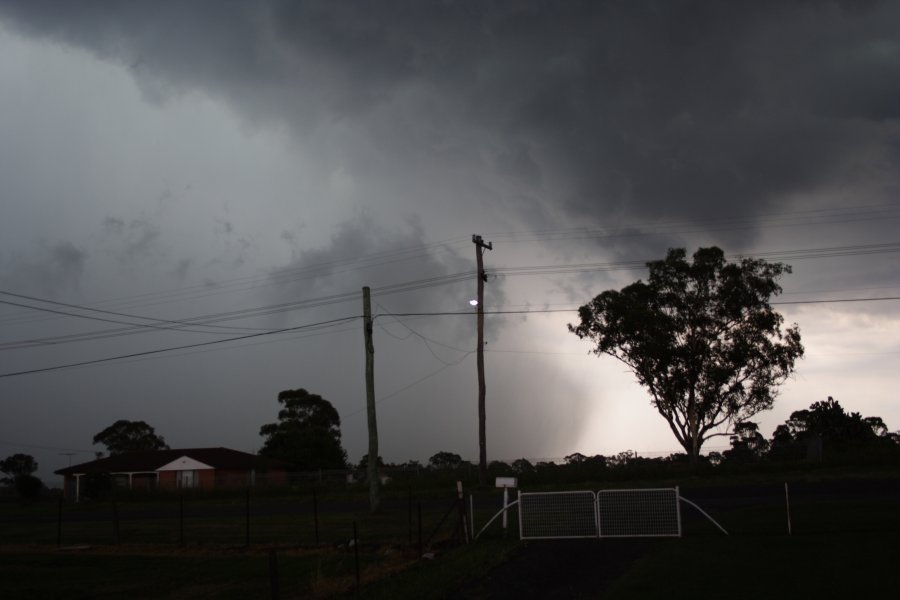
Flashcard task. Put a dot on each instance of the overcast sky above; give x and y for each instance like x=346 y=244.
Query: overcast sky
x=213 y=170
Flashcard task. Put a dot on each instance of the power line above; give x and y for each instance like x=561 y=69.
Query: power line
x=822 y=216
x=53 y=448
x=428 y=341
x=836 y=215
x=205 y=320
x=208 y=320
x=132 y=327
x=399 y=391
x=171 y=349
x=836 y=300
x=282 y=276
x=347 y=319
x=102 y=311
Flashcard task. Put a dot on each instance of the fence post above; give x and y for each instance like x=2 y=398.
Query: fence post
x=472 y=516
x=59 y=523
x=247 y=520
x=462 y=528
x=181 y=519
x=419 y=507
x=356 y=556
x=505 y=516
x=787 y=505
x=115 y=509
x=273 y=574
x=316 y=515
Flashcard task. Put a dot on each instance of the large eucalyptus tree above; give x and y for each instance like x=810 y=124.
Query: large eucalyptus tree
x=701 y=337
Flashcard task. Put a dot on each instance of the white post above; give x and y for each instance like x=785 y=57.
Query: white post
x=462 y=510
x=677 y=507
x=77 y=487
x=787 y=504
x=519 y=501
x=505 y=504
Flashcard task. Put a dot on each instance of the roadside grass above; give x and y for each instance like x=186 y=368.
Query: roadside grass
x=822 y=565
x=434 y=579
x=216 y=521
x=214 y=561
x=839 y=547
x=186 y=575
x=841 y=544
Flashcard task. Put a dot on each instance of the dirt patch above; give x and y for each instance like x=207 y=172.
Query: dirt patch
x=558 y=569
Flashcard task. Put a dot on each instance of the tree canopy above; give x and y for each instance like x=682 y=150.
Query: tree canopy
x=19 y=469
x=130 y=436
x=307 y=434
x=747 y=444
x=445 y=460
x=16 y=465
x=826 y=425
x=701 y=337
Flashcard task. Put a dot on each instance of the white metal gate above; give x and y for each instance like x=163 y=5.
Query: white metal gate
x=653 y=512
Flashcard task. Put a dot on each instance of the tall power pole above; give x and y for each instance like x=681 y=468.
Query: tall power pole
x=480 y=246
x=372 y=473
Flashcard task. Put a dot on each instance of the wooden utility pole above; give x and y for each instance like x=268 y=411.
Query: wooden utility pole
x=482 y=437
x=372 y=474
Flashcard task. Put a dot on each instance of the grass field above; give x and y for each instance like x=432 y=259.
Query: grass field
x=854 y=565
x=843 y=543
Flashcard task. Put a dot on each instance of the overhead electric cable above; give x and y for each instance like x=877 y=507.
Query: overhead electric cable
x=835 y=215
x=208 y=320
x=109 y=312
x=161 y=350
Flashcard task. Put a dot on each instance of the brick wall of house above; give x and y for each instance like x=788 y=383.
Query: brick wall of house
x=167 y=480
x=206 y=479
x=232 y=478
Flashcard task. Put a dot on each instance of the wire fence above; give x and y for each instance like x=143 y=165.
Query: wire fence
x=245 y=519
x=351 y=545
x=314 y=516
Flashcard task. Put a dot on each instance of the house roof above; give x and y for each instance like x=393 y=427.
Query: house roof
x=151 y=460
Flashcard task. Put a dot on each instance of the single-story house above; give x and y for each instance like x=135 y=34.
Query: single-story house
x=186 y=468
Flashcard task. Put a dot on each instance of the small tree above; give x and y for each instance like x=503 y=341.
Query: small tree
x=307 y=434
x=701 y=337
x=15 y=465
x=445 y=460
x=19 y=469
x=827 y=424
x=130 y=436
x=522 y=466
x=575 y=458
x=747 y=443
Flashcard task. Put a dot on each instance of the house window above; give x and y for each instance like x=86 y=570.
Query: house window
x=187 y=479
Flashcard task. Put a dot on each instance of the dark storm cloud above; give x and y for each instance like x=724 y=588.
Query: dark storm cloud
x=648 y=110
x=51 y=271
x=362 y=253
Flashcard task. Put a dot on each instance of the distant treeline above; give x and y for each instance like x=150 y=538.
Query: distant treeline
x=824 y=434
